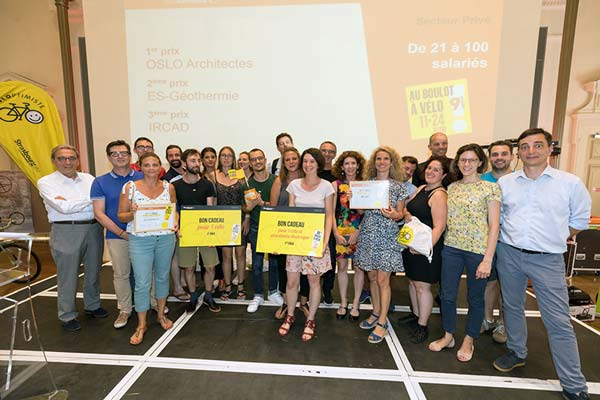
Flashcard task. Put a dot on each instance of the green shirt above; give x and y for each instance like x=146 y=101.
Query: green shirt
x=264 y=189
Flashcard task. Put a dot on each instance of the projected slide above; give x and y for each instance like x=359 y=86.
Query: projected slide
x=361 y=73
x=240 y=75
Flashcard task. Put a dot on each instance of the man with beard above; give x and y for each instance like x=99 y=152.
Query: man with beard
x=259 y=185
x=193 y=190
x=176 y=169
x=140 y=146
x=501 y=157
x=438 y=145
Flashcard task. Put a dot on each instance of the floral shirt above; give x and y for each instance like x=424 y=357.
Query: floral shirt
x=467 y=227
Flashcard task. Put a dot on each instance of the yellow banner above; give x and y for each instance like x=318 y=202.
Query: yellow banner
x=210 y=226
x=291 y=230
x=439 y=107
x=29 y=127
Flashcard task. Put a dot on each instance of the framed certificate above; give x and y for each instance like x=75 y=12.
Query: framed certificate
x=210 y=226
x=154 y=217
x=370 y=194
x=291 y=230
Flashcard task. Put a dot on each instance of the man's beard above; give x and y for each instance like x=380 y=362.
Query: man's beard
x=175 y=163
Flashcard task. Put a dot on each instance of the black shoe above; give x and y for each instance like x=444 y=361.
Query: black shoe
x=71 y=326
x=191 y=306
x=420 y=334
x=510 y=361
x=410 y=318
x=327 y=297
x=575 y=396
x=211 y=304
x=97 y=313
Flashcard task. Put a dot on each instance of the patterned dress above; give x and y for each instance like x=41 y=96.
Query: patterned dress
x=347 y=220
x=378 y=247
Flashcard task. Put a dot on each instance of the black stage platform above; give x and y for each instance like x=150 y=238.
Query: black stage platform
x=234 y=354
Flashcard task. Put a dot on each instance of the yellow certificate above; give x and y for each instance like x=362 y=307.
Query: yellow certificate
x=154 y=217
x=210 y=226
x=291 y=230
x=236 y=174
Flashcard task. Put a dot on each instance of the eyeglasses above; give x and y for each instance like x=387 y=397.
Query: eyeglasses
x=63 y=159
x=327 y=151
x=254 y=159
x=115 y=154
x=468 y=160
x=144 y=148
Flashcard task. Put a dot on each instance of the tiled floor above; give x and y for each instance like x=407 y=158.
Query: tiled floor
x=233 y=354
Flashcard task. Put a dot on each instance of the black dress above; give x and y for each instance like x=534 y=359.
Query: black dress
x=416 y=266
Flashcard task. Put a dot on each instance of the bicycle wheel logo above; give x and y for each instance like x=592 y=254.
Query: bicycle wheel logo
x=16 y=113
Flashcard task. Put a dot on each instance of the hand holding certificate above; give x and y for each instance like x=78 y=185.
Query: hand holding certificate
x=154 y=217
x=370 y=194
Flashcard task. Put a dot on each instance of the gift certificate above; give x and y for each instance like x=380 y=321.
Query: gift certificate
x=154 y=217
x=370 y=194
x=210 y=226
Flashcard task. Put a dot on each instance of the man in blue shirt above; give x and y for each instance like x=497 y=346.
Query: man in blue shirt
x=542 y=208
x=105 y=193
x=501 y=157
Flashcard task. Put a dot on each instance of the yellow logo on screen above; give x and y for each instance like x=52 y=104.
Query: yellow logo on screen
x=439 y=107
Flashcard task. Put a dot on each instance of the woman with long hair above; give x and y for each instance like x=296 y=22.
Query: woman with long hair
x=244 y=163
x=428 y=204
x=290 y=170
x=309 y=191
x=349 y=166
x=378 y=251
x=231 y=193
x=150 y=252
x=470 y=242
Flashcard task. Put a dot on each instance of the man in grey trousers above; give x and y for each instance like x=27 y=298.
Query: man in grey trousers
x=75 y=235
x=542 y=207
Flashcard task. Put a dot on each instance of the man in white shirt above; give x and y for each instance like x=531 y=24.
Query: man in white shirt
x=75 y=235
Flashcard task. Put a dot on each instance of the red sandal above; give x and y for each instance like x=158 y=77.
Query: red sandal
x=289 y=321
x=308 y=335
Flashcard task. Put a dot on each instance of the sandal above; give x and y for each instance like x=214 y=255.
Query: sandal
x=436 y=346
x=352 y=317
x=375 y=338
x=341 y=316
x=305 y=310
x=241 y=293
x=287 y=325
x=165 y=323
x=138 y=336
x=464 y=356
x=226 y=293
x=185 y=297
x=281 y=311
x=306 y=334
x=365 y=324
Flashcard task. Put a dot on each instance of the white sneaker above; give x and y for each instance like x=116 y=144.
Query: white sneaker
x=256 y=302
x=276 y=298
x=121 y=320
x=487 y=325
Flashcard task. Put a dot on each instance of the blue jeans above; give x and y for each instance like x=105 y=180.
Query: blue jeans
x=257 y=265
x=547 y=274
x=454 y=262
x=150 y=255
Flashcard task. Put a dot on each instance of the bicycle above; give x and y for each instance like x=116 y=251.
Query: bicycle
x=14 y=251
x=11 y=114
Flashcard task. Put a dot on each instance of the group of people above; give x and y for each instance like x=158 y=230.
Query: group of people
x=502 y=227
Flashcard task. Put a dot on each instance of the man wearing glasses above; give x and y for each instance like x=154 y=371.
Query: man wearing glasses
x=105 y=193
x=144 y=145
x=75 y=235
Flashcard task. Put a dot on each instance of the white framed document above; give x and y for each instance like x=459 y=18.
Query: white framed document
x=154 y=217
x=370 y=194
